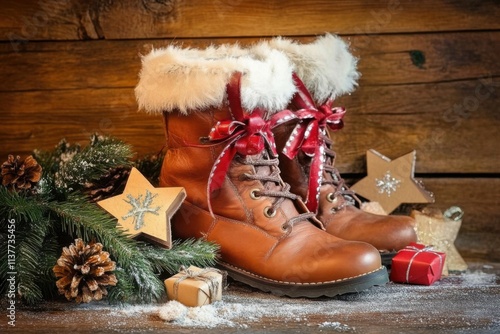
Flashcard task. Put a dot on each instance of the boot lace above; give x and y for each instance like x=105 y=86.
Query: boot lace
x=310 y=137
x=341 y=189
x=274 y=187
x=248 y=137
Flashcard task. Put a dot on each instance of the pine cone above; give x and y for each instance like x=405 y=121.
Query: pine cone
x=84 y=272
x=19 y=175
x=108 y=184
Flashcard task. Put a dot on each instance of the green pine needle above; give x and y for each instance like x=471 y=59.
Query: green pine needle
x=72 y=167
x=21 y=207
x=59 y=212
x=189 y=252
x=150 y=167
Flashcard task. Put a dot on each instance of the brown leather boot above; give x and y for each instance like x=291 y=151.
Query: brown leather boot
x=220 y=148
x=308 y=162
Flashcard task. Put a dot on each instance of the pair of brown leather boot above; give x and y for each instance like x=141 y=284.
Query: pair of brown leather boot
x=251 y=146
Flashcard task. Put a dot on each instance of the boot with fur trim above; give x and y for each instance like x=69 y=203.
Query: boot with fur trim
x=328 y=70
x=219 y=108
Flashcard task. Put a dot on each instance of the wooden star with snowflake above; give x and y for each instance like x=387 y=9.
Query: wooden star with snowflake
x=391 y=182
x=144 y=211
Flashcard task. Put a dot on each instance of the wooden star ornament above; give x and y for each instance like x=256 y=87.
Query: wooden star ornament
x=144 y=211
x=391 y=182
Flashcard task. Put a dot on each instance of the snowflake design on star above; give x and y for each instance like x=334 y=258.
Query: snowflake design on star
x=140 y=208
x=388 y=184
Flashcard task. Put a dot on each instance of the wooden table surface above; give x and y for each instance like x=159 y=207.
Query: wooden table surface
x=460 y=303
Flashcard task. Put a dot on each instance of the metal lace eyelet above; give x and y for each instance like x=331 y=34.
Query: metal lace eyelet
x=255 y=194
x=285 y=227
x=331 y=198
x=269 y=212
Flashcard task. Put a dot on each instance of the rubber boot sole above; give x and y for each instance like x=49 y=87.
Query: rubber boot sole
x=308 y=290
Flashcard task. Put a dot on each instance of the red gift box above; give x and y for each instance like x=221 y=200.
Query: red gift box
x=417 y=264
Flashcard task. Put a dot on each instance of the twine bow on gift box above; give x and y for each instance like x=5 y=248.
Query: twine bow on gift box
x=428 y=249
x=201 y=275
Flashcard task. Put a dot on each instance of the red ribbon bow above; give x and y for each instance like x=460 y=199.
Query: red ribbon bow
x=306 y=136
x=246 y=134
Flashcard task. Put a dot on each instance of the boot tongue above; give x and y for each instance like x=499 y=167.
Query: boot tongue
x=331 y=178
x=264 y=170
x=271 y=171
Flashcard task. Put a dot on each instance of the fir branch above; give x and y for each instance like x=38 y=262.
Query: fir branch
x=81 y=219
x=21 y=207
x=50 y=162
x=58 y=209
x=150 y=167
x=51 y=250
x=28 y=216
x=4 y=265
x=189 y=252
x=124 y=288
x=29 y=247
x=87 y=221
x=71 y=166
x=147 y=285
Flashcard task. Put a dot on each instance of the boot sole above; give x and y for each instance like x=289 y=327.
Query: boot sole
x=308 y=290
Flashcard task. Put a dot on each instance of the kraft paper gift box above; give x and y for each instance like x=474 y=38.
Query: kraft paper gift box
x=195 y=286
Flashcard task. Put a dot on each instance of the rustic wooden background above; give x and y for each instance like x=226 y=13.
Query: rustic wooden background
x=430 y=81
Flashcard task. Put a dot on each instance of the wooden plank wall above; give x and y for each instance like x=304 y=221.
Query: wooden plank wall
x=430 y=75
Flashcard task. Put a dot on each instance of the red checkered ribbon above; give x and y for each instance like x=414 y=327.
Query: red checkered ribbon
x=246 y=134
x=307 y=136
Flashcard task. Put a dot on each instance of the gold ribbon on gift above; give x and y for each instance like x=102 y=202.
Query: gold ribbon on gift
x=201 y=275
x=426 y=249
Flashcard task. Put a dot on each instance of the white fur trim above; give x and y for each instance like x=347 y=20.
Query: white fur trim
x=326 y=66
x=184 y=80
